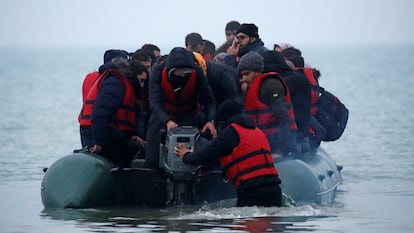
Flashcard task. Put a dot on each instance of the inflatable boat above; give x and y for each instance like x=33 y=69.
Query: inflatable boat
x=85 y=180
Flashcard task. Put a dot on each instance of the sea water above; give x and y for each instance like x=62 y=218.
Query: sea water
x=40 y=94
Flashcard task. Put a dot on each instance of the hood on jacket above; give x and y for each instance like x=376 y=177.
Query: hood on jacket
x=274 y=62
x=113 y=53
x=119 y=63
x=232 y=111
x=179 y=58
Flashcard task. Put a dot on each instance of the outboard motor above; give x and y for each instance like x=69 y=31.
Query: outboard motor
x=182 y=178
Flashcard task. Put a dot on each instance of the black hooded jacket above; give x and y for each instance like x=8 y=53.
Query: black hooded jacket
x=223 y=81
x=205 y=95
x=299 y=87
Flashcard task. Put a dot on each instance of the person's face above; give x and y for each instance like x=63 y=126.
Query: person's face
x=147 y=64
x=277 y=48
x=247 y=77
x=182 y=72
x=157 y=53
x=243 y=39
x=230 y=35
x=141 y=78
x=198 y=48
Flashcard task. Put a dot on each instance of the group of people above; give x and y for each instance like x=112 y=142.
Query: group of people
x=253 y=104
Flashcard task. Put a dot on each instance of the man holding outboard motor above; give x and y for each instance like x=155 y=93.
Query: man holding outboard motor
x=179 y=95
x=244 y=155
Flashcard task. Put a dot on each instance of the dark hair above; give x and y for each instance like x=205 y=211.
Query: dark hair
x=209 y=47
x=151 y=47
x=193 y=39
x=142 y=57
x=137 y=55
x=137 y=68
x=228 y=109
x=232 y=26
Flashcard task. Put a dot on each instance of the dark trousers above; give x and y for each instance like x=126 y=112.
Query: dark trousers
x=152 y=149
x=265 y=195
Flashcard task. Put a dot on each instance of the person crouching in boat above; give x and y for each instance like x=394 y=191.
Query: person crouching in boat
x=179 y=95
x=108 y=115
x=244 y=155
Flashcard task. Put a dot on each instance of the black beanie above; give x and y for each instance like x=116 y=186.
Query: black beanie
x=228 y=109
x=179 y=58
x=249 y=29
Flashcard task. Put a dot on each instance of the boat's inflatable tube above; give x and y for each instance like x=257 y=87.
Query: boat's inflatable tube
x=79 y=180
x=83 y=180
x=313 y=177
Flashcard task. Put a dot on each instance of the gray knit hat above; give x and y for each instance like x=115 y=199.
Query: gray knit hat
x=251 y=61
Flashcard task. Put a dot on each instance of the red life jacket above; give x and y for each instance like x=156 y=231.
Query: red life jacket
x=125 y=118
x=260 y=112
x=88 y=82
x=186 y=103
x=314 y=87
x=250 y=159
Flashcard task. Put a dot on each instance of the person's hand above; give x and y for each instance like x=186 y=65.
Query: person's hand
x=234 y=48
x=210 y=127
x=139 y=140
x=181 y=149
x=170 y=124
x=276 y=156
x=96 y=149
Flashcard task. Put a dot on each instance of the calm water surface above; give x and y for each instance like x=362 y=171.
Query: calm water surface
x=40 y=92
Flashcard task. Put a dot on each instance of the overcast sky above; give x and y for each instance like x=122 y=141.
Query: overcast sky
x=131 y=23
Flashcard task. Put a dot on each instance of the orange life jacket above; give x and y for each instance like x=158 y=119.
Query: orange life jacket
x=124 y=118
x=186 y=103
x=250 y=159
x=262 y=113
x=87 y=83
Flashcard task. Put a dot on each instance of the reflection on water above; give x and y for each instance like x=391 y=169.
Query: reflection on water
x=233 y=219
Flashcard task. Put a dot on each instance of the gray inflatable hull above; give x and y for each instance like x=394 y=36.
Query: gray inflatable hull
x=313 y=177
x=82 y=180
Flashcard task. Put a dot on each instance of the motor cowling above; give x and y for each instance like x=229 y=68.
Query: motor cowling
x=174 y=166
